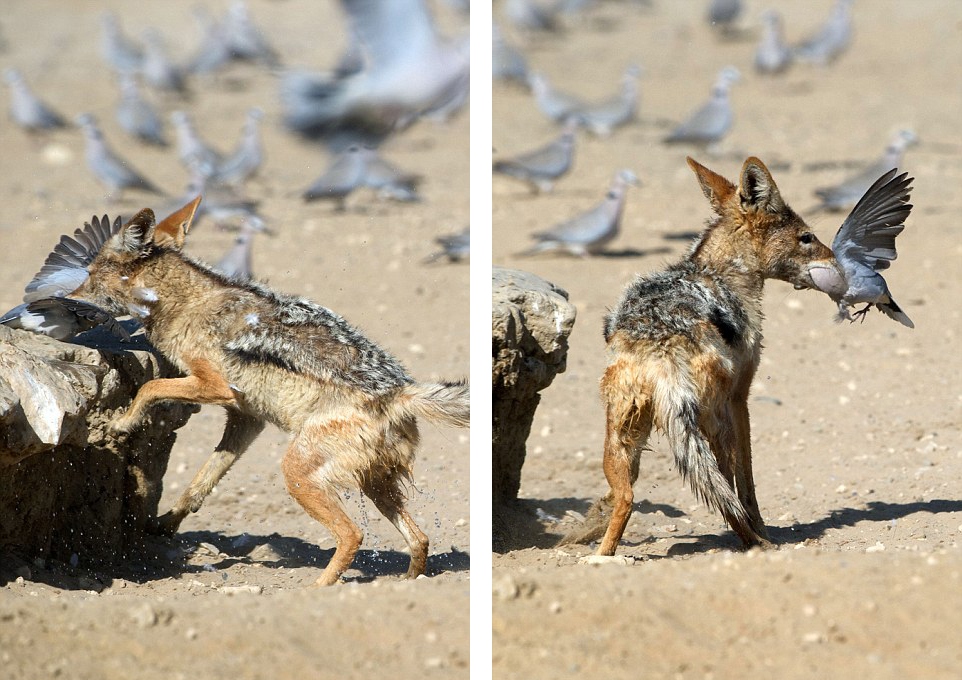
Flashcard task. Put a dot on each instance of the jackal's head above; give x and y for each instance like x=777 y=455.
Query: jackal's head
x=112 y=281
x=756 y=228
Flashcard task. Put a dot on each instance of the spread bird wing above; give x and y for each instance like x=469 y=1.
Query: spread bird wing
x=868 y=233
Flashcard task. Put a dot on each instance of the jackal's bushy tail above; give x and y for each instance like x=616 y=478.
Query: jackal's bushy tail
x=443 y=402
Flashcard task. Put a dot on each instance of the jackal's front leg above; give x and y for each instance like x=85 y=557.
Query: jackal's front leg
x=240 y=431
x=204 y=385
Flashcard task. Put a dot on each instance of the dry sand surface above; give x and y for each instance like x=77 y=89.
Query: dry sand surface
x=856 y=436
x=226 y=598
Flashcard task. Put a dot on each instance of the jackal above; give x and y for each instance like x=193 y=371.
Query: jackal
x=350 y=407
x=683 y=347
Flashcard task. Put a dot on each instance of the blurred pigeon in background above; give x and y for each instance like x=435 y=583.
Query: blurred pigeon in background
x=389 y=181
x=528 y=15
x=221 y=203
x=507 y=61
x=602 y=118
x=589 y=232
x=26 y=110
x=112 y=171
x=244 y=39
x=123 y=54
x=710 y=122
x=556 y=105
x=158 y=71
x=214 y=52
x=542 y=167
x=194 y=153
x=454 y=247
x=831 y=39
x=45 y=309
x=723 y=14
x=236 y=262
x=772 y=55
x=358 y=167
x=136 y=115
x=409 y=71
x=844 y=195
x=864 y=246
x=246 y=159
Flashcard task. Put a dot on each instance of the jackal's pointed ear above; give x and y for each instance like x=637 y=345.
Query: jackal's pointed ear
x=757 y=188
x=136 y=234
x=172 y=230
x=716 y=188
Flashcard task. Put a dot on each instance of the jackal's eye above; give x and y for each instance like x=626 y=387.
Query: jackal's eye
x=806 y=238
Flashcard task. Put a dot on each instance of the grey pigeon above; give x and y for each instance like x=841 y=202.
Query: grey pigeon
x=602 y=118
x=528 y=15
x=723 y=14
x=410 y=71
x=589 y=232
x=454 y=247
x=246 y=159
x=110 y=169
x=844 y=195
x=712 y=121
x=215 y=51
x=772 y=55
x=507 y=61
x=389 y=181
x=26 y=110
x=136 y=115
x=45 y=308
x=831 y=39
x=123 y=54
x=244 y=39
x=158 y=70
x=195 y=154
x=342 y=176
x=556 y=105
x=236 y=262
x=864 y=246
x=543 y=166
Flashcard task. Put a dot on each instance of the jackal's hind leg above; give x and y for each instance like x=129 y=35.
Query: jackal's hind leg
x=239 y=432
x=744 y=479
x=388 y=497
x=628 y=427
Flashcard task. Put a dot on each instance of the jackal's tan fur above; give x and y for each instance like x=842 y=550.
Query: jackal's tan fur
x=683 y=348
x=351 y=408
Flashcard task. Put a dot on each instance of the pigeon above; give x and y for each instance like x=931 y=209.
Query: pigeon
x=772 y=54
x=244 y=162
x=112 y=171
x=507 y=61
x=26 y=110
x=556 y=105
x=724 y=13
x=45 y=308
x=215 y=51
x=118 y=50
x=195 y=154
x=542 y=167
x=136 y=115
x=588 y=233
x=236 y=262
x=864 y=246
x=244 y=39
x=409 y=72
x=527 y=15
x=845 y=194
x=454 y=247
x=832 y=38
x=605 y=116
x=710 y=122
x=342 y=176
x=389 y=181
x=157 y=69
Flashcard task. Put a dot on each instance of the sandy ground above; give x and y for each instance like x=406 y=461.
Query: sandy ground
x=227 y=597
x=858 y=449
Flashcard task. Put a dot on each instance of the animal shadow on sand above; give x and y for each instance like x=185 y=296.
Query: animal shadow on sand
x=537 y=523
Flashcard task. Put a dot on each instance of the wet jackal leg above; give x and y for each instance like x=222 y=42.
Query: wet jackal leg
x=627 y=431
x=239 y=432
x=204 y=385
x=389 y=500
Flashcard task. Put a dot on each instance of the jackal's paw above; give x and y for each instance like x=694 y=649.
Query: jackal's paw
x=123 y=425
x=165 y=525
